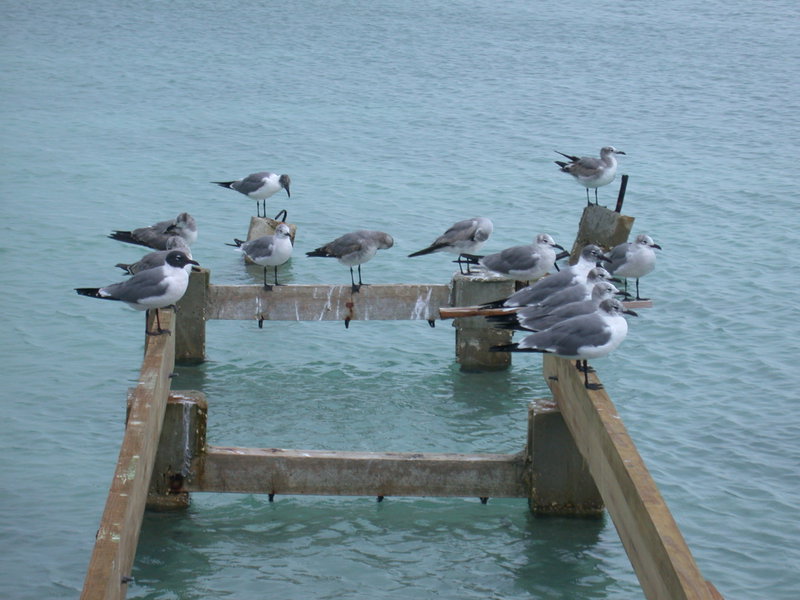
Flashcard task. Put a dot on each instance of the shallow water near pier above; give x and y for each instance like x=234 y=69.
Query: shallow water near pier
x=402 y=117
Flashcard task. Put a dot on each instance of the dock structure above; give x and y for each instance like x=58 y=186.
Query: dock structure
x=578 y=458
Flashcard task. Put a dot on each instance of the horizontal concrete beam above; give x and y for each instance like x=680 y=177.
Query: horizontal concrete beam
x=322 y=472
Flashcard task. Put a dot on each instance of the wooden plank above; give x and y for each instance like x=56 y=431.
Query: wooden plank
x=322 y=472
x=659 y=554
x=327 y=302
x=118 y=534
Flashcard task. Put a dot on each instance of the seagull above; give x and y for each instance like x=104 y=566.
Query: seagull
x=546 y=286
x=522 y=263
x=269 y=250
x=355 y=248
x=592 y=172
x=535 y=318
x=157 y=258
x=467 y=236
x=150 y=289
x=580 y=338
x=259 y=186
x=633 y=259
x=156 y=236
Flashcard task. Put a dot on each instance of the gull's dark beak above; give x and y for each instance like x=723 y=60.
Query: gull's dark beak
x=656 y=246
x=628 y=311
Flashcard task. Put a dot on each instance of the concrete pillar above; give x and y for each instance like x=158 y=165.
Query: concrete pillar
x=560 y=480
x=190 y=328
x=474 y=335
x=183 y=436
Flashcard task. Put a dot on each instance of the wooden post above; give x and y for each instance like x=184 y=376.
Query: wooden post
x=190 y=329
x=659 y=554
x=560 y=480
x=602 y=227
x=474 y=335
x=115 y=546
x=183 y=437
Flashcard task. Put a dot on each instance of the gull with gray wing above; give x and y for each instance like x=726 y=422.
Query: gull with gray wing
x=592 y=172
x=633 y=260
x=354 y=248
x=581 y=338
x=259 y=186
x=268 y=250
x=150 y=289
x=157 y=236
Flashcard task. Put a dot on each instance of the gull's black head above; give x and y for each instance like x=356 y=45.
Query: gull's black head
x=179 y=259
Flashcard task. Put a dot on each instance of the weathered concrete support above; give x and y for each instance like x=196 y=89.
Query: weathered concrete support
x=560 y=480
x=190 y=329
x=183 y=436
x=601 y=226
x=281 y=471
x=474 y=335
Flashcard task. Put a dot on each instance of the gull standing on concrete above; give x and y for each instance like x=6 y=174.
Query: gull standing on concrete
x=464 y=237
x=546 y=286
x=268 y=250
x=633 y=259
x=150 y=289
x=355 y=248
x=157 y=258
x=259 y=186
x=580 y=338
x=592 y=172
x=536 y=318
x=522 y=263
x=157 y=236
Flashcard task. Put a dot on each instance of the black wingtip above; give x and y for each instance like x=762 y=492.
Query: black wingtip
x=91 y=292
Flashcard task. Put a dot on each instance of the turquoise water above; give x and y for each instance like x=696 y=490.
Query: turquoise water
x=402 y=117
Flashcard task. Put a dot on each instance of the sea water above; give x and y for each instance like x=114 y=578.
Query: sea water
x=402 y=117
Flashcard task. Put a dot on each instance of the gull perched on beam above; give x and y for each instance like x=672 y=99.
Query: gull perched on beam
x=464 y=237
x=592 y=172
x=529 y=261
x=150 y=289
x=355 y=248
x=633 y=259
x=158 y=235
x=593 y=335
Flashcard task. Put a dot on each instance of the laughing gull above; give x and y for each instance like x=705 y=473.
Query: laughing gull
x=536 y=318
x=546 y=286
x=269 y=250
x=157 y=258
x=355 y=248
x=633 y=259
x=157 y=236
x=259 y=186
x=464 y=237
x=592 y=335
x=150 y=289
x=522 y=263
x=592 y=172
